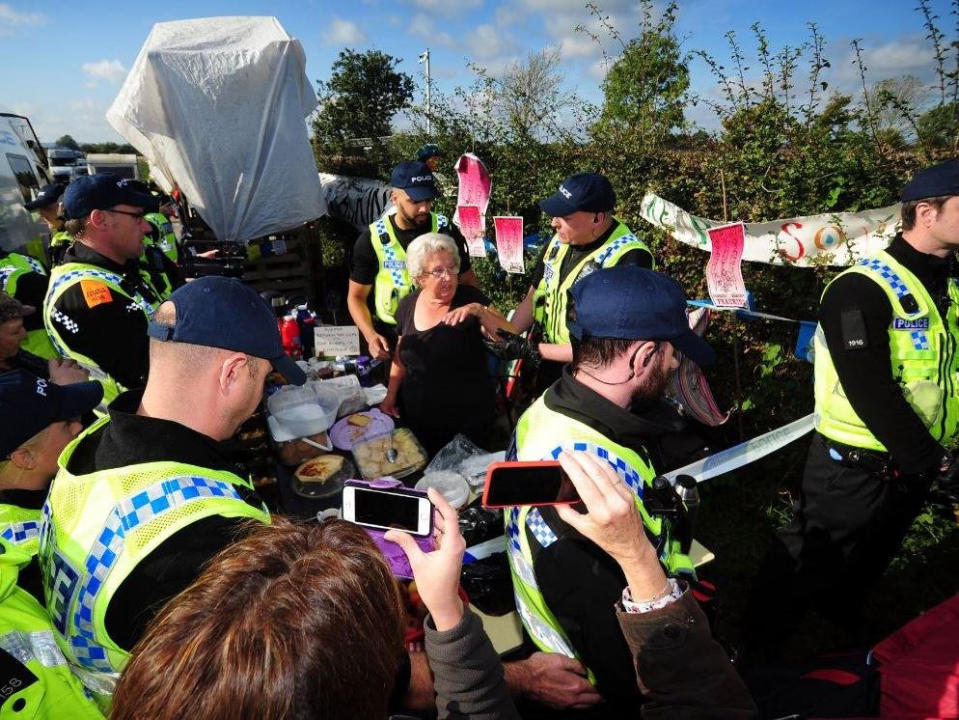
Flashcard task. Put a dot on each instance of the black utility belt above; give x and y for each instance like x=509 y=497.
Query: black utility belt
x=870 y=460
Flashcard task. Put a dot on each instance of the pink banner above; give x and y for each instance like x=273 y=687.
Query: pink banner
x=509 y=243
x=471 y=225
x=724 y=275
x=474 y=187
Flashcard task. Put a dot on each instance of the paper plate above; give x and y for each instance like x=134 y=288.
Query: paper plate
x=344 y=436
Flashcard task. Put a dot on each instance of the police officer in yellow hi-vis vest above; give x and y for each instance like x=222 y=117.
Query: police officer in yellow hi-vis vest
x=628 y=326
x=47 y=205
x=378 y=277
x=146 y=496
x=36 y=677
x=887 y=409
x=98 y=305
x=588 y=237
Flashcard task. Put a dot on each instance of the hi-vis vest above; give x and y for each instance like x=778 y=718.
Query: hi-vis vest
x=62 y=278
x=167 y=238
x=152 y=269
x=542 y=434
x=549 y=297
x=923 y=353
x=14 y=266
x=61 y=237
x=392 y=281
x=38 y=682
x=21 y=527
x=96 y=528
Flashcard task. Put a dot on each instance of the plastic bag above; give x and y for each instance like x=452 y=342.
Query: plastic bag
x=461 y=455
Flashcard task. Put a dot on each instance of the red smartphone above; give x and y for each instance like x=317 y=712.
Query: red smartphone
x=542 y=482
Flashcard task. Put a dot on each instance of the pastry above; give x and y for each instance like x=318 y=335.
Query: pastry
x=319 y=469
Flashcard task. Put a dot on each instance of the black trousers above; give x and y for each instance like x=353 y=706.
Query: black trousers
x=847 y=524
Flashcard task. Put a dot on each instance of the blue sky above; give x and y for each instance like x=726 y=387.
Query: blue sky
x=63 y=61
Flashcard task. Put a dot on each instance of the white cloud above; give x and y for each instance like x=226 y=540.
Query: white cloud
x=84 y=119
x=422 y=25
x=344 y=33
x=110 y=70
x=11 y=16
x=898 y=57
x=487 y=42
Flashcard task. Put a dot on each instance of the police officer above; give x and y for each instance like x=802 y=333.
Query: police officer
x=588 y=237
x=47 y=205
x=98 y=305
x=628 y=327
x=25 y=278
x=162 y=232
x=887 y=410
x=378 y=276
x=36 y=678
x=147 y=495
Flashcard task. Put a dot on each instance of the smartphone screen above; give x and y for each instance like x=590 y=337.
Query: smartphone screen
x=528 y=483
x=386 y=509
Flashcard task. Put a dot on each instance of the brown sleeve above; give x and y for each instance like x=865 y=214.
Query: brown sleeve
x=680 y=668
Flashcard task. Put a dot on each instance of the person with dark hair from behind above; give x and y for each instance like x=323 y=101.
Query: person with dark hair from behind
x=306 y=621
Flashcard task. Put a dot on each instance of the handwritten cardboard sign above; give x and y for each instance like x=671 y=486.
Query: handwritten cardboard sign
x=724 y=275
x=471 y=225
x=509 y=243
x=335 y=340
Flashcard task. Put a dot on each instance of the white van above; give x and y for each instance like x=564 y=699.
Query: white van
x=23 y=171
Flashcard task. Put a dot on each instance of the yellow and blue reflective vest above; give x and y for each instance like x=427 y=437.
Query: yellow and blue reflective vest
x=97 y=528
x=549 y=297
x=542 y=434
x=924 y=359
x=62 y=278
x=37 y=679
x=392 y=281
x=14 y=266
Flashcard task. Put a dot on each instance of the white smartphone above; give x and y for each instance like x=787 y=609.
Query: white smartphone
x=399 y=508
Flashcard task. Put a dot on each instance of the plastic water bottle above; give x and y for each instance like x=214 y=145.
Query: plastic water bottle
x=290 y=334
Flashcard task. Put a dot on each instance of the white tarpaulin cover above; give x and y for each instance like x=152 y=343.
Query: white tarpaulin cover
x=218 y=105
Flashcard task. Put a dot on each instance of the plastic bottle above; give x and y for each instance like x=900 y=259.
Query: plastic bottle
x=290 y=334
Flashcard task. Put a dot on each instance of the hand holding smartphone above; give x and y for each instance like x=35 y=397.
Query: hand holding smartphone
x=528 y=483
x=388 y=508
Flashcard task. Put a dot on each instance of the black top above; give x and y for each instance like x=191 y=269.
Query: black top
x=447 y=388
x=579 y=581
x=576 y=253
x=131 y=439
x=100 y=325
x=855 y=316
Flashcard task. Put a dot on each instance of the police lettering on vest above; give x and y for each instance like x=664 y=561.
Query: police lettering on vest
x=924 y=360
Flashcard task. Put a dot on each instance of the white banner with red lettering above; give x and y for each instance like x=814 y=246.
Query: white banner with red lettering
x=837 y=239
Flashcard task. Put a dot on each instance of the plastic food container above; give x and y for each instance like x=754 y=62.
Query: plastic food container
x=451 y=485
x=303 y=411
x=370 y=455
x=326 y=488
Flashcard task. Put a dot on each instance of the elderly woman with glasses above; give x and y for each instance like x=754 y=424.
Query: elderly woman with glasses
x=439 y=380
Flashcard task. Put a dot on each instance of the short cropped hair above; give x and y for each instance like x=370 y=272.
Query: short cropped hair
x=424 y=246
x=908 y=211
x=598 y=351
x=293 y=621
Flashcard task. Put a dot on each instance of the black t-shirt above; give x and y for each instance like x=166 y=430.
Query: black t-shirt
x=447 y=388
x=365 y=266
x=855 y=305
x=98 y=323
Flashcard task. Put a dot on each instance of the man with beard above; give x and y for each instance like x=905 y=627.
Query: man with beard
x=378 y=277
x=628 y=326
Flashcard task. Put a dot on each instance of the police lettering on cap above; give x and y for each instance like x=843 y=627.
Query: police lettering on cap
x=224 y=313
x=937 y=181
x=632 y=303
x=415 y=179
x=37 y=403
x=101 y=192
x=589 y=192
x=48 y=195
